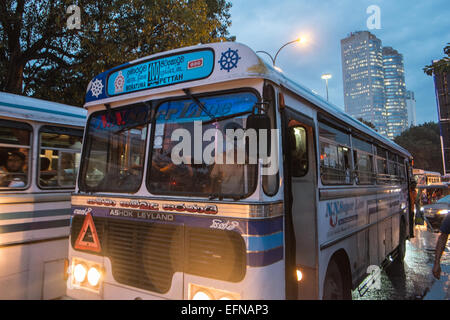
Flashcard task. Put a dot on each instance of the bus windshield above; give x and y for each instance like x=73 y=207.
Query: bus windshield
x=115 y=149
x=190 y=154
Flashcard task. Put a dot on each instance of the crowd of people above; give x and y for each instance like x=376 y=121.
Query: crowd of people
x=430 y=196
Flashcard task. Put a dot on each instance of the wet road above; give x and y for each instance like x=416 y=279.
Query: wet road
x=414 y=280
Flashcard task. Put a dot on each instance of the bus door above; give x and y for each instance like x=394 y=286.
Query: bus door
x=300 y=205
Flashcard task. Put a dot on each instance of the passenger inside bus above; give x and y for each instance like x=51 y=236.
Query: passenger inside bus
x=12 y=174
x=68 y=173
x=46 y=175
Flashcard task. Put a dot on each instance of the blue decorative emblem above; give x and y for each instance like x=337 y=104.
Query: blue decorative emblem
x=229 y=59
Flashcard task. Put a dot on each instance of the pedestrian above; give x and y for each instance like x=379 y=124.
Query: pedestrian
x=424 y=197
x=440 y=246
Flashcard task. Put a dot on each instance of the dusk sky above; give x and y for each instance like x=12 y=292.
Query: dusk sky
x=417 y=29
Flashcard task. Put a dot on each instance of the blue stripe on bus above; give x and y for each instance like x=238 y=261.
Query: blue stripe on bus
x=265 y=226
x=261 y=259
x=31 y=226
x=42 y=110
x=34 y=214
x=264 y=243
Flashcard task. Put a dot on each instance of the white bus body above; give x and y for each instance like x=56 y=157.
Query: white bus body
x=321 y=217
x=34 y=219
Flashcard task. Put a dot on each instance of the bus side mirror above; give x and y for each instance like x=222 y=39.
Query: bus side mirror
x=259 y=122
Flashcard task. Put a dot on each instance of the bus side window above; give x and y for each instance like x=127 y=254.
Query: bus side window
x=392 y=168
x=363 y=161
x=382 y=167
x=15 y=139
x=401 y=169
x=59 y=158
x=299 y=151
x=335 y=154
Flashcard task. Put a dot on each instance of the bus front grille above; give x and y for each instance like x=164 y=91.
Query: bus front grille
x=146 y=255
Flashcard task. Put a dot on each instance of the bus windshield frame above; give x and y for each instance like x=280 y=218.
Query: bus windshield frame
x=153 y=123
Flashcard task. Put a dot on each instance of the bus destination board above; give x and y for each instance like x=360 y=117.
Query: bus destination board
x=161 y=72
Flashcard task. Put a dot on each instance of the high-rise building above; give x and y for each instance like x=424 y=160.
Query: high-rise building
x=442 y=87
x=363 y=78
x=394 y=92
x=411 y=107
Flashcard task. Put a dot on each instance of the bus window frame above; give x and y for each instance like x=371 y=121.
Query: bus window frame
x=42 y=129
x=149 y=153
x=272 y=113
x=82 y=186
x=23 y=126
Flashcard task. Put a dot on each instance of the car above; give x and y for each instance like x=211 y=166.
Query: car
x=436 y=212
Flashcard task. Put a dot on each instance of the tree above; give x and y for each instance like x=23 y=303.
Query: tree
x=368 y=123
x=439 y=66
x=424 y=143
x=40 y=56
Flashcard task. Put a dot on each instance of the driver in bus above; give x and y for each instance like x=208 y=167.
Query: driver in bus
x=163 y=168
x=229 y=178
x=13 y=174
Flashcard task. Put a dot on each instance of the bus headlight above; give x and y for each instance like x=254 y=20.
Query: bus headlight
x=442 y=211
x=94 y=276
x=299 y=275
x=79 y=273
x=200 y=295
x=197 y=292
x=86 y=274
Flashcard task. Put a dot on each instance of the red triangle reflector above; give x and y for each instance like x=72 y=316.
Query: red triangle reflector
x=88 y=238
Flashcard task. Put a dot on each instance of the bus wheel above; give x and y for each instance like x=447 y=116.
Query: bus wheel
x=401 y=250
x=334 y=287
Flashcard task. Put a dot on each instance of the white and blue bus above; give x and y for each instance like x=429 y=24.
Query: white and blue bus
x=40 y=149
x=144 y=227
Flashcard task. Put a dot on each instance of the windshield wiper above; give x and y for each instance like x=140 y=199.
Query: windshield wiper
x=213 y=118
x=199 y=103
x=243 y=113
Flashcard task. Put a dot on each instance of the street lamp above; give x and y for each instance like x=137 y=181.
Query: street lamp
x=326 y=76
x=299 y=40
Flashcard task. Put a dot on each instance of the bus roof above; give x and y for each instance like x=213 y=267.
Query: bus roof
x=201 y=65
x=27 y=108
